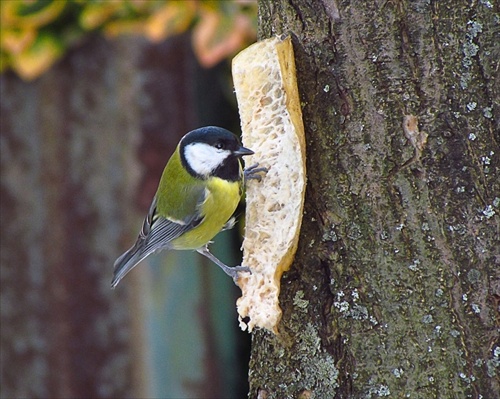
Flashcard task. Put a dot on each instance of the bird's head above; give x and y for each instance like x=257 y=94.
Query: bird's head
x=212 y=151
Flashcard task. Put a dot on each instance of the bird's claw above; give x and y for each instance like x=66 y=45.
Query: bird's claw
x=253 y=172
x=236 y=270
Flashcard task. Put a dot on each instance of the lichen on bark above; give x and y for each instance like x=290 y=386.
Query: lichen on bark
x=395 y=287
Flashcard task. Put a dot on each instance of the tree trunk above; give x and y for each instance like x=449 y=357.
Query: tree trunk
x=395 y=287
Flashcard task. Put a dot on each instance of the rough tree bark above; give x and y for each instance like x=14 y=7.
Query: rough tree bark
x=395 y=287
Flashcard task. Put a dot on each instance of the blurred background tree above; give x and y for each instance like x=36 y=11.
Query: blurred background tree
x=94 y=98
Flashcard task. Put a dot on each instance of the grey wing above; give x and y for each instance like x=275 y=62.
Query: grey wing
x=156 y=233
x=162 y=231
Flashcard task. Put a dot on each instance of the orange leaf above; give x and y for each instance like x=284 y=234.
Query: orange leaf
x=15 y=41
x=173 y=18
x=217 y=36
x=36 y=59
x=96 y=14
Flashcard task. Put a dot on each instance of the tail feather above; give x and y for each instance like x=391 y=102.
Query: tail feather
x=128 y=261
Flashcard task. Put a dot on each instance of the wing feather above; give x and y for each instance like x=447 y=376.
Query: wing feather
x=156 y=234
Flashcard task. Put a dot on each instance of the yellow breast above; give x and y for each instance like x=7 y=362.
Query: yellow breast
x=221 y=199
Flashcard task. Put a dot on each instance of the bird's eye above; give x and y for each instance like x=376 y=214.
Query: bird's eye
x=219 y=146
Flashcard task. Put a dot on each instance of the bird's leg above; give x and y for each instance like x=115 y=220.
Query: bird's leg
x=230 y=271
x=252 y=172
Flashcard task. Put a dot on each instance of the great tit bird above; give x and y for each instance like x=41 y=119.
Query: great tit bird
x=198 y=193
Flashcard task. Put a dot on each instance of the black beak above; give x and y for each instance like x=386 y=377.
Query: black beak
x=242 y=151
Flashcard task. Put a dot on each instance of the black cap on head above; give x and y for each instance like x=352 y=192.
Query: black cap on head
x=212 y=135
x=222 y=139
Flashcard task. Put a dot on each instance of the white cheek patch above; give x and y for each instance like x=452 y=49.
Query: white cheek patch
x=204 y=158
